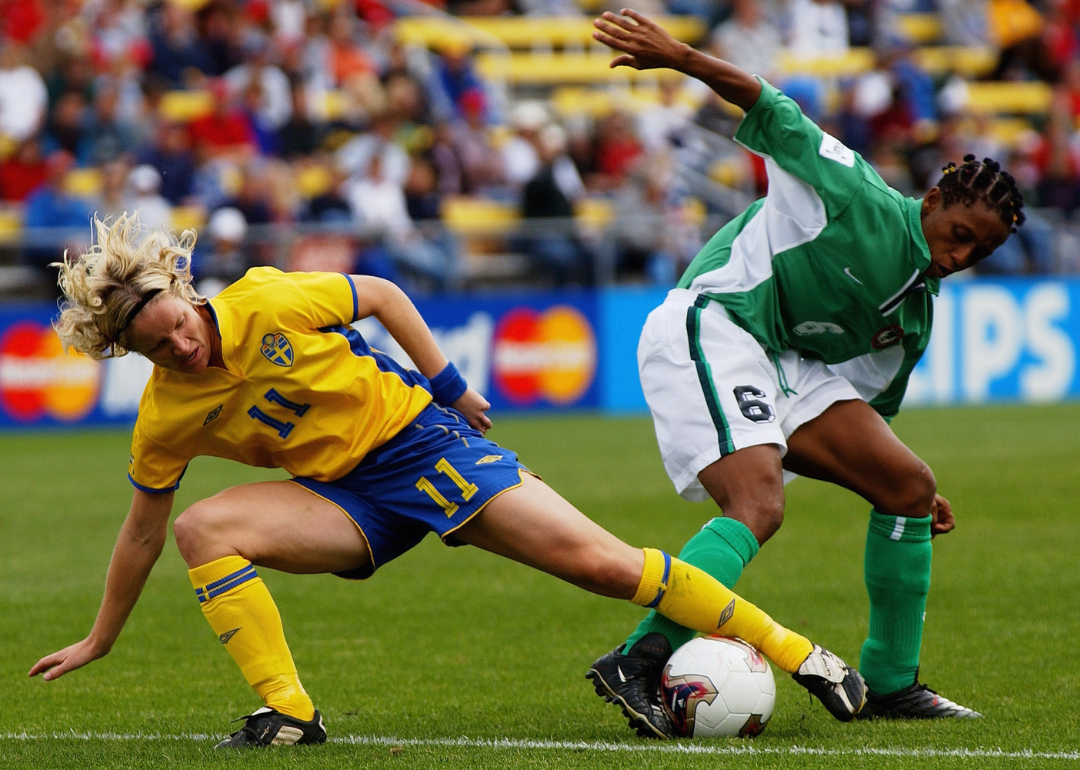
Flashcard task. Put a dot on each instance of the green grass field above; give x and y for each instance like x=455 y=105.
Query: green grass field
x=456 y=658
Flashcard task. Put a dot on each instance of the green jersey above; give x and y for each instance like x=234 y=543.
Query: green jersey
x=830 y=263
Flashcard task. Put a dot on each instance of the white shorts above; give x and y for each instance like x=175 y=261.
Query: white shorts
x=713 y=389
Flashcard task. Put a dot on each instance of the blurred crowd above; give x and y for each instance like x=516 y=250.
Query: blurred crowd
x=312 y=111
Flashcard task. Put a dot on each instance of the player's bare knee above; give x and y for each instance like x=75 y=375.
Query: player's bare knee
x=915 y=497
x=762 y=516
x=192 y=530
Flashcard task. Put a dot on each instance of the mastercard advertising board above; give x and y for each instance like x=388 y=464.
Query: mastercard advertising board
x=527 y=351
x=40 y=385
x=534 y=351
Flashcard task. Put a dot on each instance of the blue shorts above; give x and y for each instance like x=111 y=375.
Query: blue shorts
x=432 y=477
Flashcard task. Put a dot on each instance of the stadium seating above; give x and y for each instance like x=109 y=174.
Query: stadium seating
x=521 y=32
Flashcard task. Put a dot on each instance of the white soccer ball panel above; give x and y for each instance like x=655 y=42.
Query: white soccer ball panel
x=741 y=692
x=727 y=727
x=715 y=686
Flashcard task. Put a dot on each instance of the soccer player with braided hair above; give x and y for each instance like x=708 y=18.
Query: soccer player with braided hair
x=271 y=373
x=786 y=349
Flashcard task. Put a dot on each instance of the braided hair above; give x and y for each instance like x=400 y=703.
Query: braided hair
x=986 y=182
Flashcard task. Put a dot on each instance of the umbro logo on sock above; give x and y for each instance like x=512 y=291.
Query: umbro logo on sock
x=225 y=637
x=725 y=616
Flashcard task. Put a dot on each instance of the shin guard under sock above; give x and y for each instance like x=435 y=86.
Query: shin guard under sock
x=692 y=598
x=239 y=608
x=722 y=549
x=897 y=569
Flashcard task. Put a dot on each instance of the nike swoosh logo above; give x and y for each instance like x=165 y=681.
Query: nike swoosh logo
x=851 y=276
x=622 y=676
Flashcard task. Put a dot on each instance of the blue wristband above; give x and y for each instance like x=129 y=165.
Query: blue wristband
x=448 y=385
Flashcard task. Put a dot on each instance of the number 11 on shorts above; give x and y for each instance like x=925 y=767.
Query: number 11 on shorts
x=467 y=489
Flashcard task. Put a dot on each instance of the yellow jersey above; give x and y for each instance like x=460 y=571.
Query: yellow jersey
x=301 y=390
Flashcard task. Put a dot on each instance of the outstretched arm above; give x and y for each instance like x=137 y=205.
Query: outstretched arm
x=138 y=547
x=646 y=45
x=396 y=312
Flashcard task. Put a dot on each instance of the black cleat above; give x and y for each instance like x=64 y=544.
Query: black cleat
x=839 y=687
x=633 y=682
x=267 y=727
x=915 y=702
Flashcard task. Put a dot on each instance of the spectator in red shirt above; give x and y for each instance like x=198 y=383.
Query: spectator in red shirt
x=616 y=147
x=21 y=173
x=225 y=131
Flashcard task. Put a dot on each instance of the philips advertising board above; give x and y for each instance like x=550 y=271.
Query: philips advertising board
x=1002 y=340
x=993 y=341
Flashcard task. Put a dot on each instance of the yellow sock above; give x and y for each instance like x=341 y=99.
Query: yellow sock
x=242 y=613
x=693 y=599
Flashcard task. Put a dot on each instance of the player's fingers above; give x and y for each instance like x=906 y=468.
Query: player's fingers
x=624 y=61
x=611 y=30
x=621 y=21
x=640 y=18
x=46 y=663
x=609 y=41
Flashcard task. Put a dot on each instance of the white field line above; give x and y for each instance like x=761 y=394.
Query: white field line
x=642 y=748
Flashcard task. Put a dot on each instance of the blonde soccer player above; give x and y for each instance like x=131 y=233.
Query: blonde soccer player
x=271 y=374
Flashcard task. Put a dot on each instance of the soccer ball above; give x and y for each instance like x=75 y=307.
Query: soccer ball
x=714 y=686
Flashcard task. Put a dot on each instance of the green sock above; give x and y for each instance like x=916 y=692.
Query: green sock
x=722 y=548
x=897 y=569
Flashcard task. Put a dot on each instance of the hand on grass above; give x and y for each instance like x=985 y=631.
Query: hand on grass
x=644 y=43
x=68 y=659
x=473 y=406
x=943 y=521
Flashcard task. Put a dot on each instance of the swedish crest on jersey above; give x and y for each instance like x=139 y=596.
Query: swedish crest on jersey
x=277 y=349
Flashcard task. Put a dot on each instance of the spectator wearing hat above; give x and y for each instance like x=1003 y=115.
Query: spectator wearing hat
x=556 y=252
x=481 y=166
x=226 y=260
x=521 y=153
x=143 y=196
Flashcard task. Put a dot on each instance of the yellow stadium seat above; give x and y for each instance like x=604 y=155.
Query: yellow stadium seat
x=521 y=32
x=313 y=180
x=920 y=28
x=188 y=218
x=1009 y=131
x=10 y=224
x=594 y=213
x=1010 y=98
x=854 y=62
x=334 y=105
x=478 y=216
x=530 y=69
x=83 y=183
x=966 y=61
x=184 y=106
x=572 y=100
